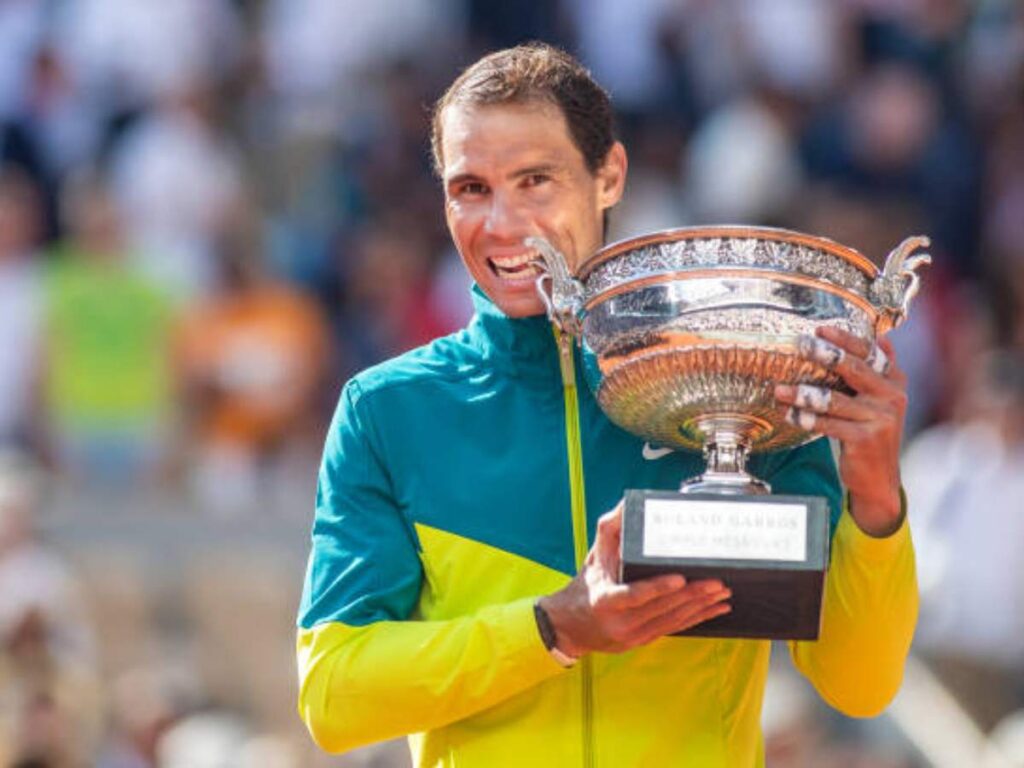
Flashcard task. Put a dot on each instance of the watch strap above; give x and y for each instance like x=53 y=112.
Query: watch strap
x=548 y=637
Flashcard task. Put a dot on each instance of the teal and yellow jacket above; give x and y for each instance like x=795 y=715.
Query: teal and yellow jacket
x=444 y=509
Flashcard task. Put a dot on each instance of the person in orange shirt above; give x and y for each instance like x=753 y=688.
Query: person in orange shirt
x=251 y=361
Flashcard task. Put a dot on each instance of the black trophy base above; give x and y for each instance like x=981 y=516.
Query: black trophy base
x=773 y=559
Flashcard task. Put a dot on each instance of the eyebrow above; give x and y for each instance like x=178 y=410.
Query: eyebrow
x=460 y=178
x=547 y=168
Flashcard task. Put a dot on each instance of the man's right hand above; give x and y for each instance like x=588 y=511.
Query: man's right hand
x=596 y=613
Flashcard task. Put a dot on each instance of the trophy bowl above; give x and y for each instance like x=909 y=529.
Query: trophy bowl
x=686 y=332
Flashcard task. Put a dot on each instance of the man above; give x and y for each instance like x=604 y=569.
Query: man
x=451 y=594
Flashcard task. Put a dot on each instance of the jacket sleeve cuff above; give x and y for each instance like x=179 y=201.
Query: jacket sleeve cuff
x=521 y=637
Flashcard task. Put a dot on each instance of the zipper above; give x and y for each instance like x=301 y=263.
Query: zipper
x=579 y=520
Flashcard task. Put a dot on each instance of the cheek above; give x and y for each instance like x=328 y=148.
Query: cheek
x=459 y=221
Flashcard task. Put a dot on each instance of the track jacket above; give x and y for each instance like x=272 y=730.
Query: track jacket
x=444 y=510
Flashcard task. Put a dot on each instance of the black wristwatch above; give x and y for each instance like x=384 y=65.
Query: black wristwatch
x=547 y=636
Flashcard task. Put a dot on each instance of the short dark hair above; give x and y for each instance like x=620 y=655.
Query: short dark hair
x=535 y=72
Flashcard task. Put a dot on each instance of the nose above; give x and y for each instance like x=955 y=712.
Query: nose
x=506 y=219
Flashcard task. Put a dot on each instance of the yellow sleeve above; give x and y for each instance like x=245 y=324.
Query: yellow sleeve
x=869 y=613
x=360 y=684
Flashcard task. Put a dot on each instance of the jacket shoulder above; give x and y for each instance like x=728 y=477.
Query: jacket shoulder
x=447 y=358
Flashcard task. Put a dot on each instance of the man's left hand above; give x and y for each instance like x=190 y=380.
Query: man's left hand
x=868 y=423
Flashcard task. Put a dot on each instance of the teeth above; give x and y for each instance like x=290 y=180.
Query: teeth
x=528 y=271
x=511 y=262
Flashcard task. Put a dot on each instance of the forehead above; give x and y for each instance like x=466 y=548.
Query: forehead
x=495 y=137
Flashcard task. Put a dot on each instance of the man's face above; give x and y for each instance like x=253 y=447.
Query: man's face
x=512 y=171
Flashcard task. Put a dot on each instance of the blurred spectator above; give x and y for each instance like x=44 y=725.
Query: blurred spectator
x=388 y=278
x=128 y=55
x=794 y=46
x=965 y=480
x=618 y=41
x=891 y=135
x=993 y=56
x=251 y=361
x=108 y=382
x=742 y=165
x=1003 y=234
x=55 y=112
x=142 y=708
x=500 y=25
x=50 y=705
x=321 y=53
x=654 y=197
x=177 y=181
x=23 y=26
x=21 y=308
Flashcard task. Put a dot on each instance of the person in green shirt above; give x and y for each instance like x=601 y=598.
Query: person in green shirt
x=108 y=379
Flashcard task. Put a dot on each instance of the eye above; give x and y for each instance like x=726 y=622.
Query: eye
x=470 y=189
x=536 y=179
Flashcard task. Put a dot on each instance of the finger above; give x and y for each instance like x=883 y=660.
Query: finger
x=697 y=593
x=879 y=355
x=607 y=540
x=824 y=401
x=855 y=345
x=877 y=360
x=683 y=617
x=851 y=368
x=610 y=523
x=821 y=351
x=895 y=372
x=812 y=398
x=649 y=594
x=639 y=593
x=711 y=612
x=802 y=418
x=842 y=429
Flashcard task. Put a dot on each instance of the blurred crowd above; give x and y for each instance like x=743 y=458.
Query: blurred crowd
x=212 y=212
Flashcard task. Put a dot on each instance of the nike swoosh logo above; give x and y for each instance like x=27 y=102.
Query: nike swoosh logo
x=652 y=454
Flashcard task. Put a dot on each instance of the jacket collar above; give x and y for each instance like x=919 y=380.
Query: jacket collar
x=524 y=346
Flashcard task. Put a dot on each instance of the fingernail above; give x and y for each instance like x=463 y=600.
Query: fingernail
x=784 y=391
x=820 y=351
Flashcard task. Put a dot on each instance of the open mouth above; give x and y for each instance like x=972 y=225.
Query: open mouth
x=522 y=267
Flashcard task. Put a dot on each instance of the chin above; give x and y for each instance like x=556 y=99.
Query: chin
x=522 y=312
x=517 y=306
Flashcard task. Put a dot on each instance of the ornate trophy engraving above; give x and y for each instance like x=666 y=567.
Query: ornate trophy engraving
x=684 y=334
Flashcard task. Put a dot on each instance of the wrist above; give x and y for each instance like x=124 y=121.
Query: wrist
x=878 y=518
x=562 y=651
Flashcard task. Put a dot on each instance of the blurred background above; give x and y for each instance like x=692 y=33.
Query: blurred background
x=212 y=212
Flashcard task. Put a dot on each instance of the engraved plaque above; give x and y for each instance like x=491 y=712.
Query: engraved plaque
x=682 y=527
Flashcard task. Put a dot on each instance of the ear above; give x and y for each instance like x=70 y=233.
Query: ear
x=611 y=176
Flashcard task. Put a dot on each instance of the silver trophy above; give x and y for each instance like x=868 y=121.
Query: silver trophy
x=685 y=333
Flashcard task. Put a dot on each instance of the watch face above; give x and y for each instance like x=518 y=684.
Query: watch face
x=544 y=627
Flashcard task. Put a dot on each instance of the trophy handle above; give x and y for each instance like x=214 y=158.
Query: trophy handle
x=561 y=293
x=898 y=283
